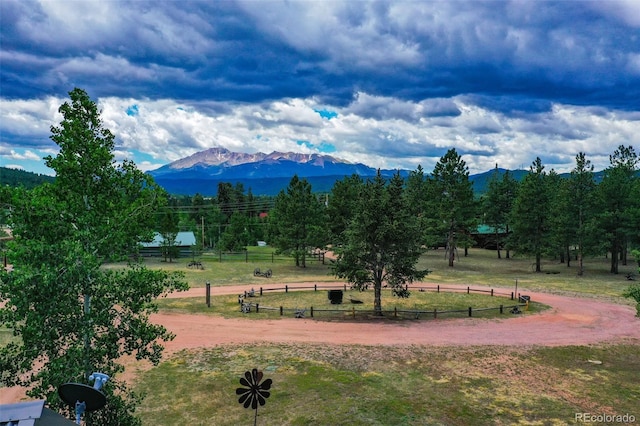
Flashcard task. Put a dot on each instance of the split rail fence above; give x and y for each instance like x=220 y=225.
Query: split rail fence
x=353 y=312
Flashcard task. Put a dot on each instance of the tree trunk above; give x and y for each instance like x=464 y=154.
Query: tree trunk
x=568 y=255
x=508 y=253
x=614 y=258
x=538 y=263
x=377 y=294
x=452 y=254
x=580 y=262
x=498 y=245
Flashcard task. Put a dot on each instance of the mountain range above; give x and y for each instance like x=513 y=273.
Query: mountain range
x=264 y=174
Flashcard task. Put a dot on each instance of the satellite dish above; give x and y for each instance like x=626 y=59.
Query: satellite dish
x=84 y=397
x=78 y=392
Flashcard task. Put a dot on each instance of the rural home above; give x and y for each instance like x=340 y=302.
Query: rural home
x=185 y=241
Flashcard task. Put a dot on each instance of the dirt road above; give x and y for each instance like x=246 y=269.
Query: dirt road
x=571 y=321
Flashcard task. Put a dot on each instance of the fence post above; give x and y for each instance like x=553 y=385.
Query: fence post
x=208 y=294
x=353 y=310
x=491 y=292
x=435 y=313
x=315 y=287
x=469 y=310
x=312 y=312
x=286 y=289
x=260 y=291
x=468 y=292
x=501 y=309
x=395 y=312
x=438 y=288
x=281 y=311
x=511 y=295
x=345 y=287
x=257 y=308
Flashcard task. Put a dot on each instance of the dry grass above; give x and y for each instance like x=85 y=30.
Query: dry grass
x=409 y=385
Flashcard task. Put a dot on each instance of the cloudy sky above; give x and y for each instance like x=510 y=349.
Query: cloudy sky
x=389 y=84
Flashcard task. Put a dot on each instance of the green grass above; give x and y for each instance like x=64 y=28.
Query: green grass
x=427 y=301
x=482 y=267
x=479 y=268
x=399 y=385
x=414 y=385
x=408 y=385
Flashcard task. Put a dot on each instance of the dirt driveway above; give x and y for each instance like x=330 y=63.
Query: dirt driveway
x=571 y=321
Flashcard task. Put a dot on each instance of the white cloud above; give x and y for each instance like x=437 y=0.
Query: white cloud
x=378 y=131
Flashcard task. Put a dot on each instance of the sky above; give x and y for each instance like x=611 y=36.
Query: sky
x=391 y=84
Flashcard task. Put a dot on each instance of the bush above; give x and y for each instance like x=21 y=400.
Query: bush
x=633 y=292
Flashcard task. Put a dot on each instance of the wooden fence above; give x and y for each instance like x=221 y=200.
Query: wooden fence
x=249 y=256
x=523 y=301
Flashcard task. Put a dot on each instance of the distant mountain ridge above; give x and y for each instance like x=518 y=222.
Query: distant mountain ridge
x=268 y=174
x=265 y=174
x=223 y=157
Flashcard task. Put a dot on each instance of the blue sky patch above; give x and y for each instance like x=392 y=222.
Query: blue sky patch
x=132 y=111
x=325 y=113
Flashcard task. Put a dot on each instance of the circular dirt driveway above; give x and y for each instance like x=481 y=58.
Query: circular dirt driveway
x=570 y=321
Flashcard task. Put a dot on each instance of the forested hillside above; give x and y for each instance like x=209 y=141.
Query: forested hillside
x=14 y=177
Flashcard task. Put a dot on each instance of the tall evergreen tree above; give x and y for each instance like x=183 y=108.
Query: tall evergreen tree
x=453 y=208
x=341 y=206
x=383 y=242
x=72 y=316
x=497 y=204
x=616 y=203
x=581 y=200
x=297 y=221
x=168 y=226
x=530 y=215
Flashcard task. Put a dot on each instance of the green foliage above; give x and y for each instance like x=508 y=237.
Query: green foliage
x=497 y=204
x=296 y=221
x=633 y=292
x=451 y=208
x=383 y=241
x=70 y=315
x=340 y=207
x=236 y=235
x=530 y=216
x=168 y=226
x=619 y=206
x=20 y=178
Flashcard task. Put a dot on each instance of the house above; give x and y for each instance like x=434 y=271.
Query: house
x=185 y=241
x=485 y=236
x=31 y=413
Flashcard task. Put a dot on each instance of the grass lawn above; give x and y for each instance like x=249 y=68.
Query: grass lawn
x=419 y=304
x=402 y=385
x=413 y=385
x=409 y=385
x=479 y=268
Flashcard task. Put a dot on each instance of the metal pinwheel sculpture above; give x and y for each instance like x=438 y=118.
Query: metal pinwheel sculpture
x=254 y=393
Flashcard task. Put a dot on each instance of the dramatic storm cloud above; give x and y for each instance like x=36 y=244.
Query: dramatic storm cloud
x=390 y=84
